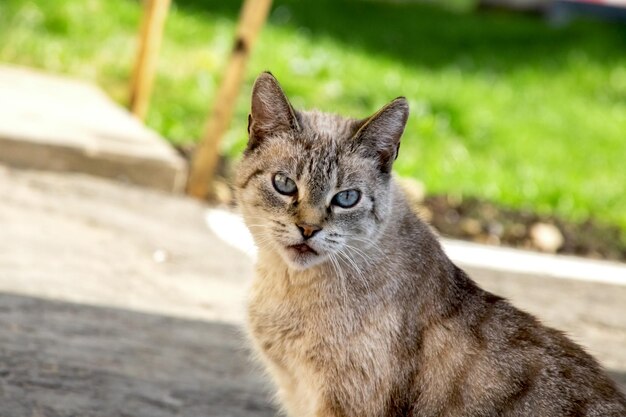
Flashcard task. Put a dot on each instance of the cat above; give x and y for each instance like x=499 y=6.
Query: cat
x=355 y=309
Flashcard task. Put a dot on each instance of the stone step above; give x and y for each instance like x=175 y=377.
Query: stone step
x=54 y=123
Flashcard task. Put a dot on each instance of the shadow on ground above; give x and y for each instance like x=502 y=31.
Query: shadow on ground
x=63 y=359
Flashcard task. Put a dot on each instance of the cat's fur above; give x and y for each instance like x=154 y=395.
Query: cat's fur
x=381 y=322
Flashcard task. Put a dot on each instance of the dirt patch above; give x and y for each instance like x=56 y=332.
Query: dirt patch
x=484 y=222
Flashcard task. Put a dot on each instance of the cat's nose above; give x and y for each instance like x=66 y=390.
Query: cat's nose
x=308 y=230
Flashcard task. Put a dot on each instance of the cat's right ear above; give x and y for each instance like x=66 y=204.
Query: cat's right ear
x=271 y=112
x=379 y=136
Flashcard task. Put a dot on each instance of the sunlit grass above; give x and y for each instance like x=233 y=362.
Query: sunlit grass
x=503 y=106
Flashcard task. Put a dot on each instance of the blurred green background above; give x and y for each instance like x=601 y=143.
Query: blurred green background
x=503 y=106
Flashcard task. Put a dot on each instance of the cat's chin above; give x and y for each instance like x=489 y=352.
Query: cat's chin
x=300 y=258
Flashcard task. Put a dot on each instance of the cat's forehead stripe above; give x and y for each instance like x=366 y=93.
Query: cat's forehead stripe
x=251 y=176
x=320 y=169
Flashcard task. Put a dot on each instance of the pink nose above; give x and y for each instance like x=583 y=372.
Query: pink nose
x=308 y=230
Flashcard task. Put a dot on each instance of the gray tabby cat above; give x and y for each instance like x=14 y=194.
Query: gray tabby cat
x=356 y=310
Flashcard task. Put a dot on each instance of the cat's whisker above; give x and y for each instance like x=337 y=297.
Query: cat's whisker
x=342 y=278
x=362 y=256
x=371 y=245
x=368 y=261
x=331 y=262
x=262 y=238
x=363 y=279
x=358 y=266
x=350 y=260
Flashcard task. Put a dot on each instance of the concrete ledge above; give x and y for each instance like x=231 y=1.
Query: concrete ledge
x=516 y=261
x=59 y=124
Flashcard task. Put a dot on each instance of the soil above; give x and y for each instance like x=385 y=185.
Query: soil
x=484 y=222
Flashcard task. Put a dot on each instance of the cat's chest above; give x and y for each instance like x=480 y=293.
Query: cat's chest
x=294 y=322
x=309 y=338
x=308 y=323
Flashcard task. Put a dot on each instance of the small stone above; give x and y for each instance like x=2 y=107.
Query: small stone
x=546 y=237
x=471 y=227
x=489 y=212
x=495 y=229
x=452 y=216
x=487 y=239
x=159 y=256
x=517 y=230
x=454 y=200
x=492 y=240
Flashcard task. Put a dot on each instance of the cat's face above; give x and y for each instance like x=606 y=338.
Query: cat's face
x=315 y=187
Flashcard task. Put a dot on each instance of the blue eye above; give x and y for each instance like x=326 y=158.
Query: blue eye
x=284 y=184
x=346 y=199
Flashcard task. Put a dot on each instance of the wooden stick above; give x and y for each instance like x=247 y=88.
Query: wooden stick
x=150 y=35
x=205 y=158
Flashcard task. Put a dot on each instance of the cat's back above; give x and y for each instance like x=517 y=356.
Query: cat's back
x=488 y=358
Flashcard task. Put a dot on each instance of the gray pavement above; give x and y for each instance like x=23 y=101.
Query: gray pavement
x=120 y=301
x=60 y=124
x=65 y=359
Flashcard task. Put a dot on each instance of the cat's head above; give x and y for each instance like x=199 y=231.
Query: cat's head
x=315 y=187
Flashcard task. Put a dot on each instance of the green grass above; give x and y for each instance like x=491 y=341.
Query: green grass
x=503 y=106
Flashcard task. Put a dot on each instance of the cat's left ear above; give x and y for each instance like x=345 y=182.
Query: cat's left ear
x=379 y=136
x=270 y=112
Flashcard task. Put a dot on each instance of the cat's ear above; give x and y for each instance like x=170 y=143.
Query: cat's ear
x=379 y=136
x=271 y=112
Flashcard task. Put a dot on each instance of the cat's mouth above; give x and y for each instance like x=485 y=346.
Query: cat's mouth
x=302 y=249
x=301 y=256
